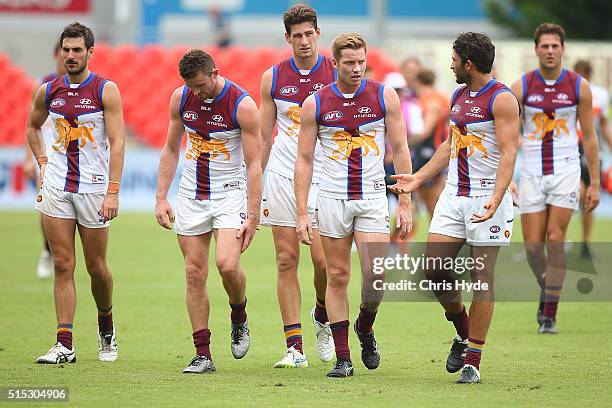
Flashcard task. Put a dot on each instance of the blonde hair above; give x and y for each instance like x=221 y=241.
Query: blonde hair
x=352 y=41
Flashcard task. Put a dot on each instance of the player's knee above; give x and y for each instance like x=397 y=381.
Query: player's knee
x=227 y=267
x=555 y=235
x=337 y=277
x=534 y=249
x=195 y=274
x=286 y=262
x=63 y=265
x=96 y=267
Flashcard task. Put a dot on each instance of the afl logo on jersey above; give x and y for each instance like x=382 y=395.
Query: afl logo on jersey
x=190 y=116
x=57 y=103
x=456 y=109
x=332 y=116
x=289 y=90
x=535 y=98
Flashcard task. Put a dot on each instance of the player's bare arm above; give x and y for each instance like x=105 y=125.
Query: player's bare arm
x=506 y=115
x=302 y=178
x=248 y=119
x=396 y=132
x=590 y=144
x=28 y=163
x=169 y=161
x=38 y=115
x=267 y=117
x=115 y=130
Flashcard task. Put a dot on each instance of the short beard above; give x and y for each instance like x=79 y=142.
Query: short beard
x=77 y=72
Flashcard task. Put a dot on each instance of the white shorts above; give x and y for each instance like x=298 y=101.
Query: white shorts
x=86 y=208
x=339 y=218
x=559 y=190
x=197 y=217
x=278 y=206
x=452 y=218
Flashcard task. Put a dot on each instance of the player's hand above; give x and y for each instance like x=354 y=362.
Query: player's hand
x=247 y=232
x=490 y=208
x=514 y=191
x=406 y=183
x=403 y=219
x=304 y=229
x=163 y=213
x=110 y=206
x=29 y=169
x=591 y=199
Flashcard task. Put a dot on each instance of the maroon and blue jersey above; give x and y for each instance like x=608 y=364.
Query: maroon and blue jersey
x=213 y=160
x=550 y=135
x=351 y=130
x=79 y=153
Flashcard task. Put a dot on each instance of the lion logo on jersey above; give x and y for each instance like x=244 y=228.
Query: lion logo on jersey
x=544 y=124
x=66 y=134
x=469 y=141
x=347 y=143
x=199 y=145
x=293 y=113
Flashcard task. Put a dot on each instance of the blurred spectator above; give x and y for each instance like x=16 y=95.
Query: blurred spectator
x=601 y=105
x=221 y=27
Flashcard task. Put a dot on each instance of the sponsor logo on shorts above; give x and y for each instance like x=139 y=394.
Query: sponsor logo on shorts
x=332 y=116
x=231 y=184
x=39 y=198
x=495 y=229
x=507 y=233
x=243 y=216
x=387 y=218
x=190 y=116
x=493 y=236
x=57 y=103
x=98 y=178
x=535 y=98
x=289 y=90
x=266 y=212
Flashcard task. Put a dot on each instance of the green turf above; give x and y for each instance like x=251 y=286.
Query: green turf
x=519 y=367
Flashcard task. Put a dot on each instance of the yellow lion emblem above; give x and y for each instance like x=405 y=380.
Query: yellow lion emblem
x=199 y=146
x=66 y=134
x=470 y=141
x=544 y=124
x=293 y=113
x=347 y=143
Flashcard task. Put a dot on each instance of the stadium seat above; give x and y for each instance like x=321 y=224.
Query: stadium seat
x=148 y=76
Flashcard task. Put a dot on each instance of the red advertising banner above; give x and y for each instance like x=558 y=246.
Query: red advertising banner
x=45 y=6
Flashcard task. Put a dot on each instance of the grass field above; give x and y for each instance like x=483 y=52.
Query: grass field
x=519 y=368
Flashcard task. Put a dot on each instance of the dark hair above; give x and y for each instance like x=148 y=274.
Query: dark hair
x=298 y=14
x=549 y=28
x=583 y=67
x=476 y=47
x=57 y=48
x=426 y=77
x=195 y=61
x=78 y=30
